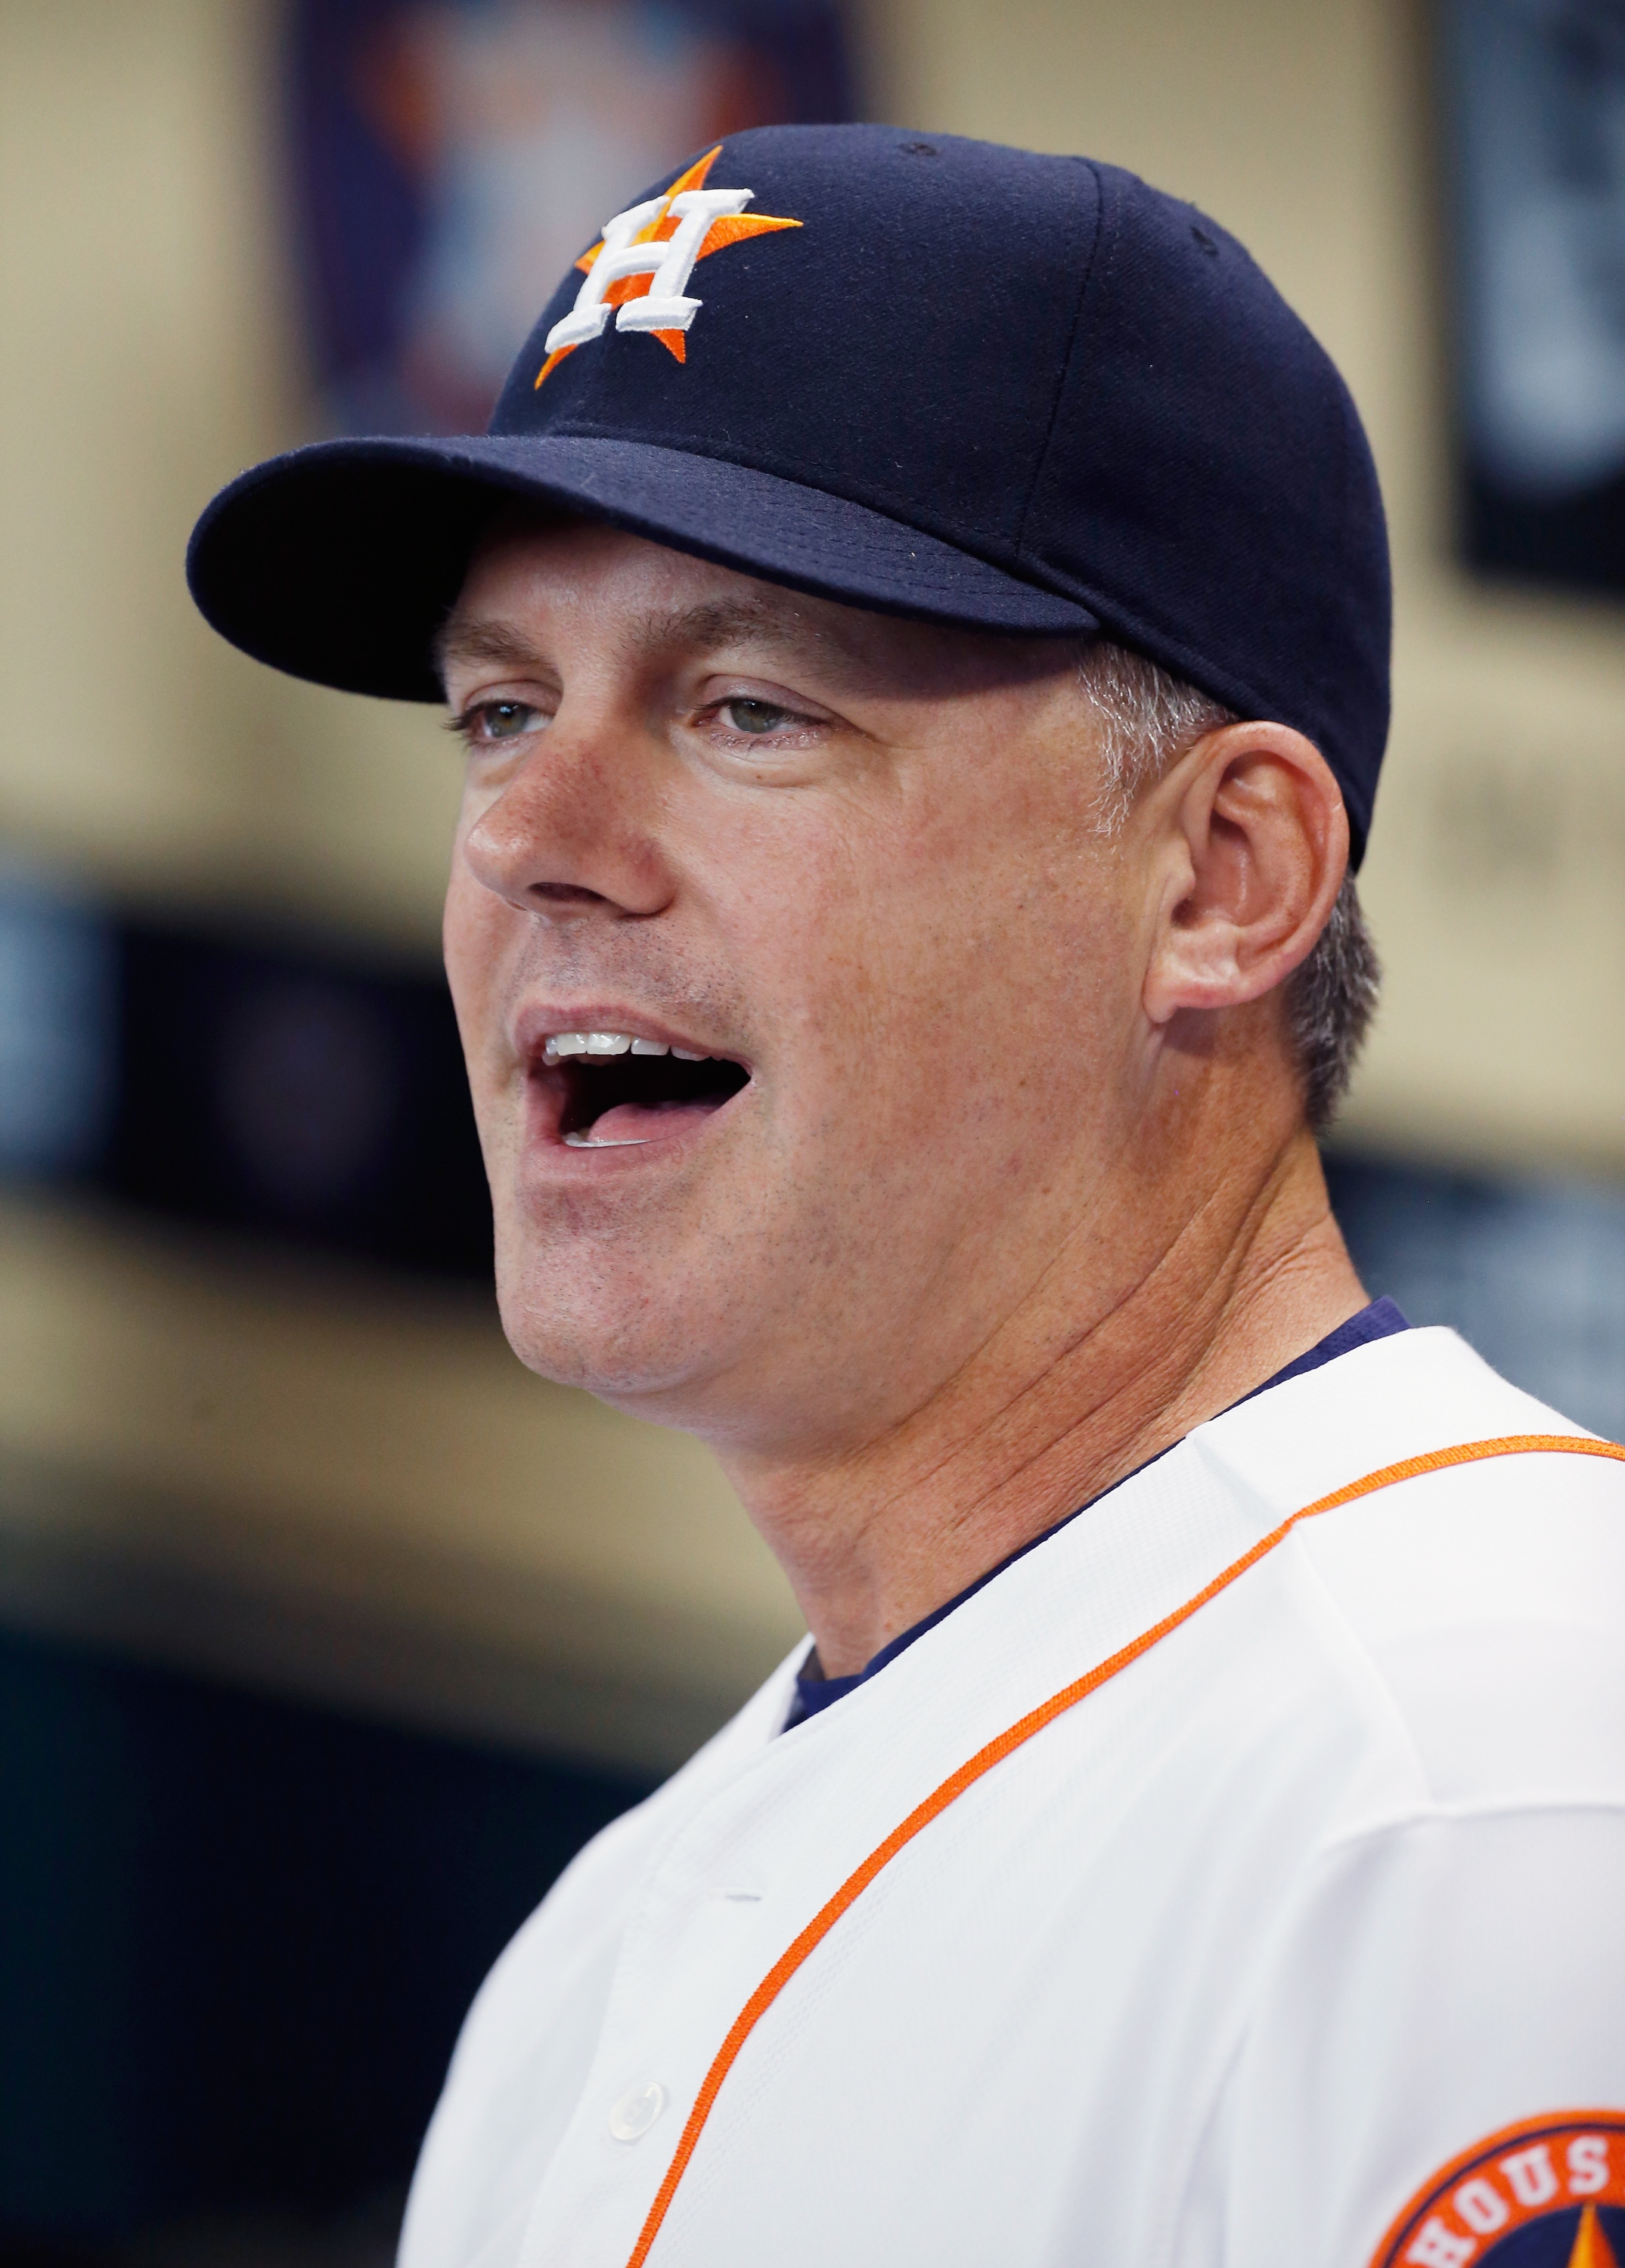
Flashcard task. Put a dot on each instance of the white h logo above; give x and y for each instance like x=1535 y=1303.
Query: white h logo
x=668 y=266
x=656 y=244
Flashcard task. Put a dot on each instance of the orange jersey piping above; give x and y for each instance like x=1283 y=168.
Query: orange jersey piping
x=1466 y=1453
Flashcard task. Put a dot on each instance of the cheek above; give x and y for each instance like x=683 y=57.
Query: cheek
x=984 y=920
x=999 y=956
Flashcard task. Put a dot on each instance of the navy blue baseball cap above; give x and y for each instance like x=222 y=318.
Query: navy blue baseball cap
x=928 y=376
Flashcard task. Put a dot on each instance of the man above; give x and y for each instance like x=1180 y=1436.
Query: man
x=918 y=632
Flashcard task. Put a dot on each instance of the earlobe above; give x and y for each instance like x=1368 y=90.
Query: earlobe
x=1254 y=846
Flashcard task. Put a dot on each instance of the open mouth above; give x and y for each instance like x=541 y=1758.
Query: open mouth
x=616 y=1090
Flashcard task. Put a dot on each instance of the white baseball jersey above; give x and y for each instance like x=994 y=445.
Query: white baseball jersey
x=1210 y=1887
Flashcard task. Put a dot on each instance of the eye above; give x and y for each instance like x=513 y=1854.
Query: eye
x=744 y=715
x=489 y=721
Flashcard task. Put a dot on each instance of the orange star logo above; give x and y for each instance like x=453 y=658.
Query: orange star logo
x=638 y=270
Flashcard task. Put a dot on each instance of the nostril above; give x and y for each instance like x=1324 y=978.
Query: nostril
x=568 y=895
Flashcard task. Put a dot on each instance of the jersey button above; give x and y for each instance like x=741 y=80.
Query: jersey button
x=637 y=2111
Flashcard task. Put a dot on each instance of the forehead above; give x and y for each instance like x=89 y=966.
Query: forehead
x=536 y=588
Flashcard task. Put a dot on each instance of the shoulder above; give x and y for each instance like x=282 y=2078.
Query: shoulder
x=1483 y=1598
x=1441 y=1960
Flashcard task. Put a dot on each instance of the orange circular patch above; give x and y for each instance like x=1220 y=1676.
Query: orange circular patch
x=1547 y=2193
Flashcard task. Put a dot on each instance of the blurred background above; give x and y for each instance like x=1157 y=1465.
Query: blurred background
x=327 y=1633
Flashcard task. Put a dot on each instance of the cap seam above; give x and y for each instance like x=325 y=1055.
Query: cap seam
x=776 y=468
x=1065 y=372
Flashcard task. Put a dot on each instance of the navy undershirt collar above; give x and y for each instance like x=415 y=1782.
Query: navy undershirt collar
x=1379 y=1320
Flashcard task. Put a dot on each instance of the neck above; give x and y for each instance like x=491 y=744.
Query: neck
x=1075 y=1392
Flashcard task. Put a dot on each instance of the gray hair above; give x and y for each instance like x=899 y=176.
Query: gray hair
x=1149 y=719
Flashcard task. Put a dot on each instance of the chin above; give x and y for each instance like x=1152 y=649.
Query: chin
x=629 y=1342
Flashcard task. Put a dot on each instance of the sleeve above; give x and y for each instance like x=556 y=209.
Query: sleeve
x=1433 y=2072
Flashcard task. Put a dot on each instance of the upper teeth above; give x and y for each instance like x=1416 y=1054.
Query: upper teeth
x=560 y=1044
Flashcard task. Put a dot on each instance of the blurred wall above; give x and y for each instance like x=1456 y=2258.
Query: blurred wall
x=317 y=1477
x=150 y=347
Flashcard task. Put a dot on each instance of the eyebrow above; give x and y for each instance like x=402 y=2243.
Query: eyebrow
x=712 y=623
x=461 y=639
x=731 y=622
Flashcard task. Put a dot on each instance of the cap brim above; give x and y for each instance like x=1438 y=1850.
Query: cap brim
x=340 y=561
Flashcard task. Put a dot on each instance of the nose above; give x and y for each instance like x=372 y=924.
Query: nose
x=571 y=834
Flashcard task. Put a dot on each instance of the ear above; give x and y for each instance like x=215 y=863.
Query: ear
x=1254 y=845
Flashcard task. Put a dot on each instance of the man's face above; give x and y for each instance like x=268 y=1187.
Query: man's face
x=849 y=862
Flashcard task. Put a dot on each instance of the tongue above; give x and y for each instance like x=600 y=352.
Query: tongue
x=654 y=1122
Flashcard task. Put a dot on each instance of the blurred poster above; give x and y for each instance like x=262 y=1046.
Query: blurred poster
x=1537 y=93
x=450 y=158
